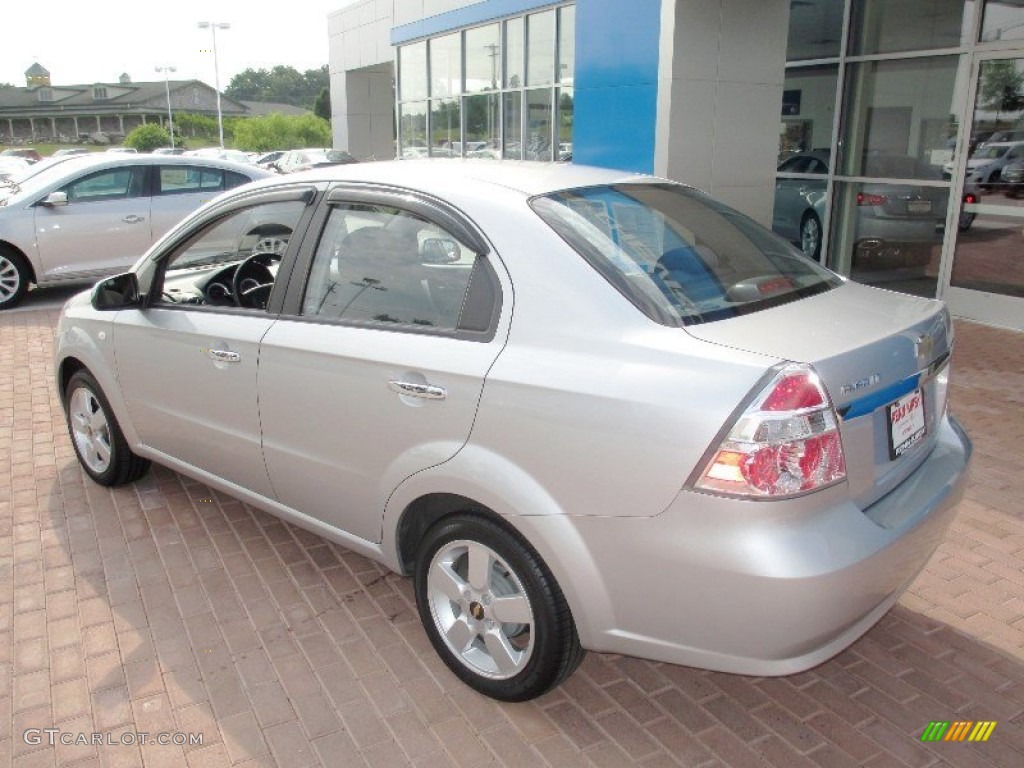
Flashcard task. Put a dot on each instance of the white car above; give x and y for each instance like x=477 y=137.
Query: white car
x=86 y=216
x=582 y=409
x=985 y=166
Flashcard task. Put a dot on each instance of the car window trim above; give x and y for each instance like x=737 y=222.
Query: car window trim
x=305 y=193
x=435 y=211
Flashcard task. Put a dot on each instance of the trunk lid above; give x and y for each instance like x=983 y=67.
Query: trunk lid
x=875 y=351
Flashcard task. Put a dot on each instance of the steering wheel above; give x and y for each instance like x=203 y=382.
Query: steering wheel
x=252 y=281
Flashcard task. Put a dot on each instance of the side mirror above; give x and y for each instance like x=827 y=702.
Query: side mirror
x=436 y=250
x=55 y=198
x=117 y=292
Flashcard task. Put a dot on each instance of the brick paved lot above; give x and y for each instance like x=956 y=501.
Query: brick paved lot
x=163 y=607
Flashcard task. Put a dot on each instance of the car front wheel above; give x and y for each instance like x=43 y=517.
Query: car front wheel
x=493 y=611
x=99 y=443
x=14 y=277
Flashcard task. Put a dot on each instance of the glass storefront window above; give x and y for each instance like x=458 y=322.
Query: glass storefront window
x=1003 y=20
x=446 y=65
x=513 y=109
x=412 y=68
x=808 y=109
x=540 y=48
x=899 y=120
x=483 y=125
x=539 y=124
x=483 y=58
x=412 y=128
x=445 y=128
x=815 y=29
x=893 y=26
x=565 y=118
x=566 y=44
x=890 y=234
x=515 y=52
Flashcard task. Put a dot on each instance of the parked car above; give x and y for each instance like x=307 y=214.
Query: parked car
x=169 y=151
x=220 y=153
x=28 y=153
x=123 y=150
x=85 y=216
x=896 y=224
x=986 y=163
x=12 y=166
x=69 y=151
x=639 y=449
x=297 y=160
x=269 y=160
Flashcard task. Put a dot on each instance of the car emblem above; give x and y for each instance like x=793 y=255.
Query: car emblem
x=924 y=346
x=867 y=381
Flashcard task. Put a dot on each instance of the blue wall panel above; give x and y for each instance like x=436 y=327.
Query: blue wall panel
x=616 y=83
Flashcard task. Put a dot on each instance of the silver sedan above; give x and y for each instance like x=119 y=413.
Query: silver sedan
x=582 y=410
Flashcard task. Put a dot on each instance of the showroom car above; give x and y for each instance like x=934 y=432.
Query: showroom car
x=86 y=216
x=580 y=409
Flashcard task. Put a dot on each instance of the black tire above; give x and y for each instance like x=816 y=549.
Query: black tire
x=15 y=275
x=85 y=401
x=810 y=235
x=542 y=653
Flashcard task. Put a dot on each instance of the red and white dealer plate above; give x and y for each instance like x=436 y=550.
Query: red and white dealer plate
x=906 y=423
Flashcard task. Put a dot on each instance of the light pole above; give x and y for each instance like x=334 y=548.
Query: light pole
x=214 y=26
x=167 y=86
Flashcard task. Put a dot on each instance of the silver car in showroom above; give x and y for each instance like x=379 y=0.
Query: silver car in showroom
x=81 y=217
x=582 y=409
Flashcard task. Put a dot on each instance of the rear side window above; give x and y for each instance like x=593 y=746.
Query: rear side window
x=679 y=256
x=188 y=179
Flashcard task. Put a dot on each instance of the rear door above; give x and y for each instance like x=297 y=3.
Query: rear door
x=180 y=189
x=376 y=369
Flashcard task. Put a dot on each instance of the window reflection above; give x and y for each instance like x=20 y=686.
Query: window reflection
x=565 y=121
x=1003 y=20
x=446 y=65
x=566 y=44
x=483 y=125
x=445 y=128
x=808 y=108
x=891 y=26
x=412 y=67
x=483 y=59
x=412 y=128
x=515 y=52
x=539 y=124
x=815 y=29
x=513 y=107
x=900 y=122
x=540 y=51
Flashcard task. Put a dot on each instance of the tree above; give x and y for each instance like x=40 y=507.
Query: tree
x=148 y=137
x=277 y=131
x=1001 y=87
x=322 y=105
x=283 y=85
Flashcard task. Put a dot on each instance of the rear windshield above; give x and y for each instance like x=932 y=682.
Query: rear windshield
x=678 y=255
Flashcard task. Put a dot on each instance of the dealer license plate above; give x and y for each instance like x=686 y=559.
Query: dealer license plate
x=906 y=423
x=919 y=206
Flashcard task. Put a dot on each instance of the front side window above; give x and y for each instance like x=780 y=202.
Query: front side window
x=110 y=184
x=387 y=267
x=677 y=255
x=232 y=262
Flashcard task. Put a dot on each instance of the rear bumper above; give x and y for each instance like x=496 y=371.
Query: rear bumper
x=761 y=588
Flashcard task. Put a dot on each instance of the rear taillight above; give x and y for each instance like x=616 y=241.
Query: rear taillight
x=785 y=443
x=970 y=198
x=863 y=198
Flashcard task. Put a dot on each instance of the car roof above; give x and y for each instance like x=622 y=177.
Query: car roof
x=75 y=163
x=439 y=175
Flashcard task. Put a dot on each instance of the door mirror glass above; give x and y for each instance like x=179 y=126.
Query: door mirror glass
x=55 y=199
x=118 y=292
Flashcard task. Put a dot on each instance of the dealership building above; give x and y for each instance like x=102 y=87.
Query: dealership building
x=881 y=136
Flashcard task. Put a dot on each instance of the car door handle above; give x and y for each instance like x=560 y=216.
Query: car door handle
x=223 y=356
x=132 y=219
x=416 y=389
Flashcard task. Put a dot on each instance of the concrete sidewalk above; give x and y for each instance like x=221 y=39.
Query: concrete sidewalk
x=165 y=608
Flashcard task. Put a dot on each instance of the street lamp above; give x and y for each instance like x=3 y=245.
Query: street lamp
x=167 y=86
x=213 y=27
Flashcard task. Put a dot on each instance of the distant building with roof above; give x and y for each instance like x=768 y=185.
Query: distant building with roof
x=43 y=111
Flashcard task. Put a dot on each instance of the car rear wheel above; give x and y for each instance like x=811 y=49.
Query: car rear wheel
x=810 y=235
x=14 y=277
x=493 y=611
x=99 y=443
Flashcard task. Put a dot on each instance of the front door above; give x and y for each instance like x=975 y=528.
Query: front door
x=985 y=277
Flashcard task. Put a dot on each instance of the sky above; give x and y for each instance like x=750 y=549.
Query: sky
x=86 y=42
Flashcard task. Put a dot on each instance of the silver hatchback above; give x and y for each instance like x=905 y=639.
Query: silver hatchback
x=582 y=410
